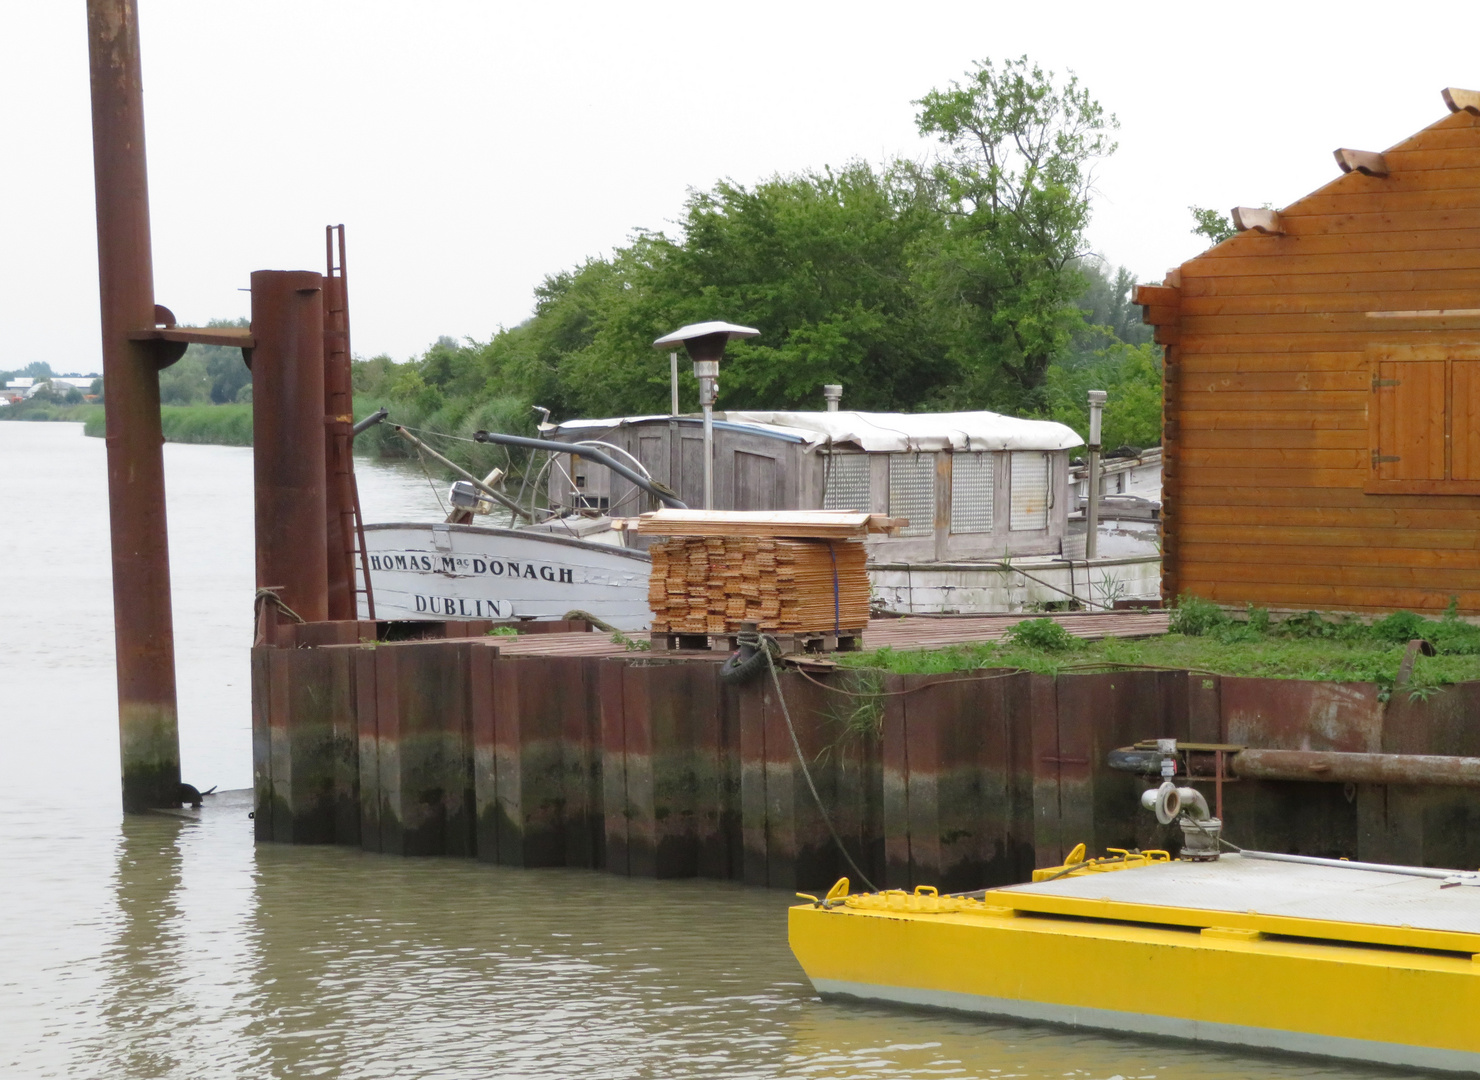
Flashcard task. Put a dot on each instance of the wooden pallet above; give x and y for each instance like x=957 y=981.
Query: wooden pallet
x=790 y=643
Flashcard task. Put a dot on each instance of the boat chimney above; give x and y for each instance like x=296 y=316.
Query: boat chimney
x=1092 y=504
x=832 y=393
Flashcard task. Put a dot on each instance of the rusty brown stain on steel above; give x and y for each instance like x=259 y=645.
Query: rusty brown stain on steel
x=1343 y=768
x=142 y=621
x=288 y=438
x=1293 y=714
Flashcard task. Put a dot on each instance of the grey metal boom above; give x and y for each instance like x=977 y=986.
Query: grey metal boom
x=667 y=498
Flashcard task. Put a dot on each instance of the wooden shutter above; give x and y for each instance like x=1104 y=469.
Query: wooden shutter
x=1464 y=419
x=1409 y=400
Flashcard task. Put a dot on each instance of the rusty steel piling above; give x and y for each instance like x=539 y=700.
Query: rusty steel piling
x=143 y=627
x=288 y=439
x=340 y=514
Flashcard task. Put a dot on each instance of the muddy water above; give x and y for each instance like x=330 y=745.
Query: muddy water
x=159 y=948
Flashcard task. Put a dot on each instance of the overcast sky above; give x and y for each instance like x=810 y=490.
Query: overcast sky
x=473 y=148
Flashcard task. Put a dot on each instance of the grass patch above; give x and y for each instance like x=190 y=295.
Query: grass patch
x=1307 y=646
x=219 y=425
x=45 y=410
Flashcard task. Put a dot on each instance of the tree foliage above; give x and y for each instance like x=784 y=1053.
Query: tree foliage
x=1211 y=224
x=1014 y=188
x=207 y=374
x=961 y=283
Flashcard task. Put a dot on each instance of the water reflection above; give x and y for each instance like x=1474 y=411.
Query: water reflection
x=142 y=1003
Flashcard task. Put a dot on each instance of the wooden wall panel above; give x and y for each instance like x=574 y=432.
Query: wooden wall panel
x=1278 y=282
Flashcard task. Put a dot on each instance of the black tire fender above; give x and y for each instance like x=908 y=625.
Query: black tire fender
x=744 y=664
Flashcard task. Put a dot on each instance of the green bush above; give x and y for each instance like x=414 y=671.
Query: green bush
x=1041 y=634
x=1195 y=617
x=1399 y=628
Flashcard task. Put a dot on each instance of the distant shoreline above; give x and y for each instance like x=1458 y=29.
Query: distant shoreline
x=219 y=425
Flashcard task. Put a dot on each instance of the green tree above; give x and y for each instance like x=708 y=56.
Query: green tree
x=1108 y=302
x=1131 y=377
x=1014 y=188
x=1211 y=224
x=224 y=368
x=822 y=264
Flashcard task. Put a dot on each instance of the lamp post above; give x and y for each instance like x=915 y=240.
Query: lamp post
x=705 y=343
x=1092 y=505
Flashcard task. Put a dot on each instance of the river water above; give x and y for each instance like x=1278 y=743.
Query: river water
x=158 y=948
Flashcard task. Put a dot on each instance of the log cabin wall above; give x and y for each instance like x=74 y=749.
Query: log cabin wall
x=1322 y=391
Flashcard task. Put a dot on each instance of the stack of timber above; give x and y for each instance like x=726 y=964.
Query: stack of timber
x=796 y=574
x=711 y=584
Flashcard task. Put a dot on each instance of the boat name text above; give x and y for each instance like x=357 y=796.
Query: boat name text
x=458 y=564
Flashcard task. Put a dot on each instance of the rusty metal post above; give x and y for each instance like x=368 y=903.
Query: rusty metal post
x=339 y=418
x=143 y=628
x=288 y=438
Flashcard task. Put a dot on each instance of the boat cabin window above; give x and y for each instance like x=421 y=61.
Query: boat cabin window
x=912 y=492
x=1029 y=491
x=848 y=485
x=973 y=483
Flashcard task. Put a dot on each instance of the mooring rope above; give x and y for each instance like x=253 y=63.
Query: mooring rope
x=765 y=647
x=837 y=603
x=422 y=461
x=271 y=593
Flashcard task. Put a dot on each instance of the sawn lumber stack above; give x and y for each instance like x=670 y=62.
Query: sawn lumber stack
x=711 y=582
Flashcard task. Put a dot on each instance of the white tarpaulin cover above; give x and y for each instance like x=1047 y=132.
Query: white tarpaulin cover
x=918 y=431
x=896 y=432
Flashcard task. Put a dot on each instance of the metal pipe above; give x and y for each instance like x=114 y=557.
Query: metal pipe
x=1348 y=864
x=832 y=393
x=288 y=438
x=370 y=421
x=667 y=498
x=497 y=496
x=1092 y=503
x=143 y=627
x=1343 y=768
x=673 y=380
x=709 y=457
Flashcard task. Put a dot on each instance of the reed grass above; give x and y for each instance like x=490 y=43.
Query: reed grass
x=220 y=425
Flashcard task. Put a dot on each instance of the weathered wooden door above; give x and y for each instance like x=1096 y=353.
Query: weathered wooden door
x=756 y=482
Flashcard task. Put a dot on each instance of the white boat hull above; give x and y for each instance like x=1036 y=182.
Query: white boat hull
x=440 y=572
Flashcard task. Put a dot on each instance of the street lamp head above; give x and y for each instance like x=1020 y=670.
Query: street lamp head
x=705 y=340
x=705 y=343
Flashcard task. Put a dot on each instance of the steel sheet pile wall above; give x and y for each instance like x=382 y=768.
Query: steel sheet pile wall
x=655 y=768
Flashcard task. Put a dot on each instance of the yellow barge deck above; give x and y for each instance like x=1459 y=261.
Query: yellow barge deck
x=1367 y=965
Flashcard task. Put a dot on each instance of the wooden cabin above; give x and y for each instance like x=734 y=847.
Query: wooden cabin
x=974 y=485
x=1322 y=390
